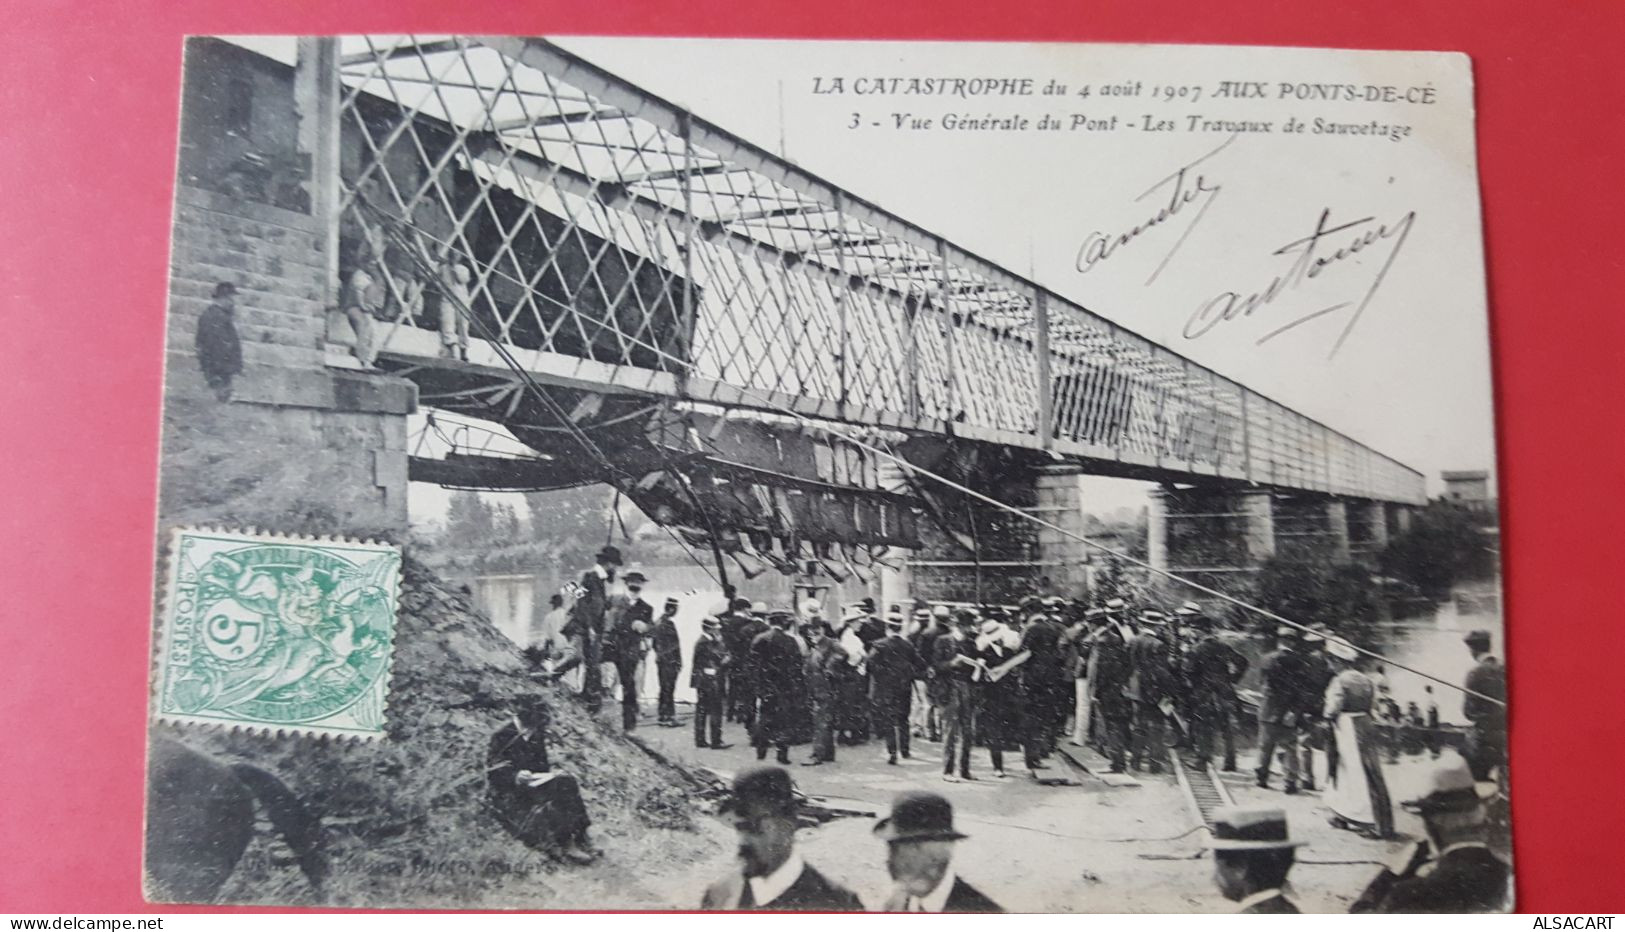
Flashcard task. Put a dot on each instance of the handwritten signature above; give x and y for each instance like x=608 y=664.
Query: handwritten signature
x=1098 y=246
x=1311 y=261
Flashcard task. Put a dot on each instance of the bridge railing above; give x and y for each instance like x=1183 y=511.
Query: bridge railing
x=611 y=237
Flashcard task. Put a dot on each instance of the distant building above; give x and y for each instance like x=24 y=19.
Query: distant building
x=1469 y=488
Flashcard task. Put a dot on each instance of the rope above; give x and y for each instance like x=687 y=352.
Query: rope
x=768 y=403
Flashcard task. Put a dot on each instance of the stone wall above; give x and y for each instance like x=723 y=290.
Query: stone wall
x=301 y=447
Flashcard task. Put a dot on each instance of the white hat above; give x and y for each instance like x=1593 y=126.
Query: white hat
x=1342 y=650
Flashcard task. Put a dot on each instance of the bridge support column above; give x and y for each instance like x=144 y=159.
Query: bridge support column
x=1337 y=529
x=1210 y=535
x=896 y=586
x=300 y=447
x=1060 y=502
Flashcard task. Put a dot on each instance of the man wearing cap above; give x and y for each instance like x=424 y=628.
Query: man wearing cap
x=708 y=677
x=1487 y=742
x=920 y=838
x=668 y=649
x=822 y=671
x=587 y=621
x=1464 y=876
x=627 y=623
x=1212 y=669
x=219 y=351
x=957 y=665
x=893 y=665
x=1284 y=676
x=772 y=875
x=1108 y=676
x=1150 y=688
x=776 y=664
x=1252 y=855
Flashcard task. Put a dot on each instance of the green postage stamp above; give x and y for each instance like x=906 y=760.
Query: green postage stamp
x=290 y=634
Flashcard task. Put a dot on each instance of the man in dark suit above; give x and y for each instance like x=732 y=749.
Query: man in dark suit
x=1212 y=669
x=775 y=662
x=1047 y=679
x=1150 y=684
x=734 y=635
x=1487 y=742
x=893 y=665
x=955 y=660
x=1252 y=855
x=626 y=627
x=772 y=874
x=1284 y=681
x=707 y=676
x=587 y=622
x=1108 y=678
x=920 y=838
x=539 y=806
x=668 y=649
x=822 y=670
x=1465 y=876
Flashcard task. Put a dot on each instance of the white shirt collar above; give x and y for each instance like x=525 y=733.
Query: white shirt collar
x=935 y=901
x=1463 y=844
x=1258 y=897
x=765 y=890
x=600 y=570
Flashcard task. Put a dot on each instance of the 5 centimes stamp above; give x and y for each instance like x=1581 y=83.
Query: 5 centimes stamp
x=278 y=633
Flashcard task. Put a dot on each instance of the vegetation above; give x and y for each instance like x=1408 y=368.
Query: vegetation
x=1317 y=591
x=1443 y=546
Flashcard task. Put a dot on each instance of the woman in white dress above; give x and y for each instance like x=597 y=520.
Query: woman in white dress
x=1358 y=795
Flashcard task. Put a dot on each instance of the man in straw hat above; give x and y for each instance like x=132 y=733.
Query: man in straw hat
x=1109 y=670
x=1453 y=871
x=920 y=838
x=1252 y=855
x=772 y=874
x=893 y=665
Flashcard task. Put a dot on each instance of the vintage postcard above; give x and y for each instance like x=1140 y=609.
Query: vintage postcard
x=832 y=476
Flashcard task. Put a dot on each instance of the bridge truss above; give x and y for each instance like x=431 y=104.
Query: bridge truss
x=617 y=243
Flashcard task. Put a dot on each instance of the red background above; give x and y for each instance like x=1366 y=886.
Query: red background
x=87 y=149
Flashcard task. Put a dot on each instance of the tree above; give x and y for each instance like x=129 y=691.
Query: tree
x=1443 y=545
x=469 y=524
x=1317 y=591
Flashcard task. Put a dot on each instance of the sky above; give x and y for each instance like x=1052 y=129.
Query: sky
x=1411 y=378
x=1400 y=361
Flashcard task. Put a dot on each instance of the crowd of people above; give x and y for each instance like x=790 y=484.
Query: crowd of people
x=1131 y=682
x=1128 y=681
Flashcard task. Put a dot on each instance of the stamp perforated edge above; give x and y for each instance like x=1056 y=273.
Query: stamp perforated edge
x=169 y=578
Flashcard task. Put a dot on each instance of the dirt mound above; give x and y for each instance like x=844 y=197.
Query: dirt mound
x=406 y=817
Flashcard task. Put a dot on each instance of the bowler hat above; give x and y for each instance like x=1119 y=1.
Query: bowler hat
x=766 y=785
x=634 y=578
x=1113 y=606
x=918 y=815
x=1450 y=788
x=610 y=554
x=1240 y=828
x=224 y=289
x=1477 y=636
